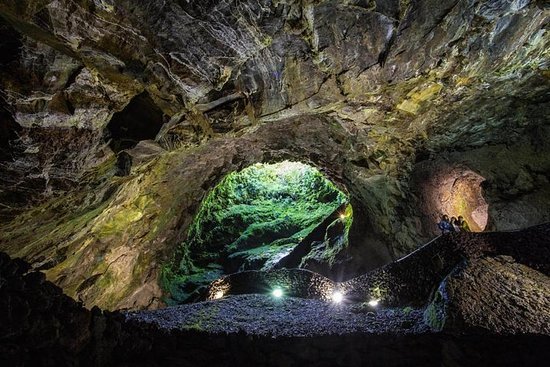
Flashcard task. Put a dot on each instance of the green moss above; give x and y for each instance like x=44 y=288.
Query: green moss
x=260 y=203
x=47 y=225
x=335 y=240
x=183 y=285
x=47 y=230
x=124 y=217
x=251 y=219
x=264 y=256
x=432 y=317
x=435 y=314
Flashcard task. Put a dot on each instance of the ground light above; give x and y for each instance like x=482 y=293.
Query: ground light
x=337 y=297
x=373 y=302
x=277 y=293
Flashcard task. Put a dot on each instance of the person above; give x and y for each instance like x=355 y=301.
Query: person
x=454 y=225
x=444 y=224
x=462 y=224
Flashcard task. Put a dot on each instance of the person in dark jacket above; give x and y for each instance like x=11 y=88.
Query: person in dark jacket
x=444 y=225
x=454 y=225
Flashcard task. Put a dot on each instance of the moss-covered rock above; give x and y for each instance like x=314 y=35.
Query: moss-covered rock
x=254 y=218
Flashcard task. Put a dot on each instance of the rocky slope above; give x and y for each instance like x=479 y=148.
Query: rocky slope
x=391 y=100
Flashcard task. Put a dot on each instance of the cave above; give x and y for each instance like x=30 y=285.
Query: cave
x=219 y=183
x=453 y=191
x=263 y=217
x=140 y=120
x=466 y=199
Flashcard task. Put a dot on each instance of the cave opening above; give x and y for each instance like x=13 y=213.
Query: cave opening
x=461 y=194
x=140 y=120
x=266 y=216
x=454 y=190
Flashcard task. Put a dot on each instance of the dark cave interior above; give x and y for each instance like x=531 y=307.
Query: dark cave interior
x=261 y=182
x=140 y=120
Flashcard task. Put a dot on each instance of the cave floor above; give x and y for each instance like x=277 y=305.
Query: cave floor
x=263 y=315
x=495 y=314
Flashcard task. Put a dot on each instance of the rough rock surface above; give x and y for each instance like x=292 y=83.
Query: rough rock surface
x=366 y=91
x=490 y=317
x=475 y=290
x=514 y=263
x=262 y=315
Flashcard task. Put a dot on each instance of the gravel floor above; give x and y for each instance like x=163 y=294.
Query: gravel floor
x=256 y=314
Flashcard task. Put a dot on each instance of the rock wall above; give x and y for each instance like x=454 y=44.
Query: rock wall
x=363 y=90
x=461 y=262
x=526 y=298
x=511 y=179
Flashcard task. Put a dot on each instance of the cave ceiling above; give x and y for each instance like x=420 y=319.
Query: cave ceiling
x=367 y=91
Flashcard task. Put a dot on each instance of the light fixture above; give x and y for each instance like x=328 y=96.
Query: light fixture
x=342 y=216
x=277 y=292
x=337 y=297
x=219 y=294
x=373 y=302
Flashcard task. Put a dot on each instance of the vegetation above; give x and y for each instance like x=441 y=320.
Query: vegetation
x=250 y=220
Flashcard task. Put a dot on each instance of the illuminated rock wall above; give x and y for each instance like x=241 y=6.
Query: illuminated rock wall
x=363 y=90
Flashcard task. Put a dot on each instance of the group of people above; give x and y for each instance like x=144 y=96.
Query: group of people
x=453 y=225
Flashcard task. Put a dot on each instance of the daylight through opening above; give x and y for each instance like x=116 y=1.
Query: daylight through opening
x=266 y=216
